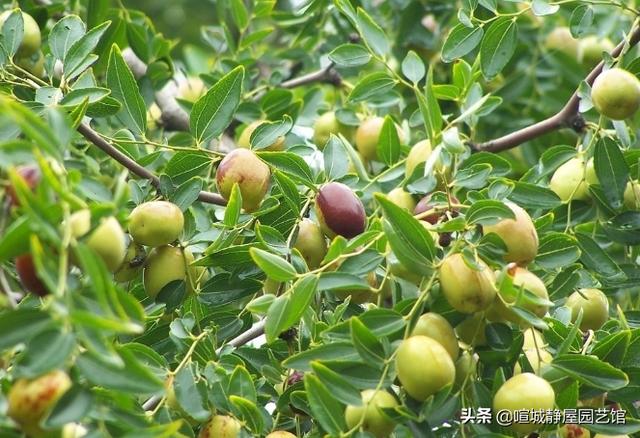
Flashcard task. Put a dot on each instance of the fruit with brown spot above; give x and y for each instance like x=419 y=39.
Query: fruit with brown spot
x=221 y=426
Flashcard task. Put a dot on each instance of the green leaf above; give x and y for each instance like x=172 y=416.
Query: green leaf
x=44 y=352
x=366 y=343
x=250 y=413
x=20 y=325
x=323 y=405
x=241 y=384
x=212 y=113
x=239 y=13
x=591 y=371
x=596 y=259
x=15 y=239
x=581 y=20
x=388 y=147
x=13 y=32
x=372 y=33
x=350 y=55
x=430 y=110
x=188 y=395
x=233 y=207
x=461 y=40
x=124 y=88
x=74 y=405
x=335 y=351
x=187 y=193
x=274 y=266
x=64 y=33
x=612 y=171
x=277 y=318
x=80 y=55
x=488 y=212
x=268 y=132
x=91 y=94
x=557 y=250
x=371 y=85
x=498 y=46
x=337 y=385
x=413 y=67
x=543 y=7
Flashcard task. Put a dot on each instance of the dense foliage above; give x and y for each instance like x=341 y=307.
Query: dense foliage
x=315 y=219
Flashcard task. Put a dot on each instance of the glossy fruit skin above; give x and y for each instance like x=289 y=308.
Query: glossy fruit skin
x=31 y=176
x=616 y=94
x=471 y=331
x=253 y=176
x=107 y=240
x=311 y=243
x=419 y=380
x=419 y=153
x=32 y=39
x=466 y=290
x=573 y=431
x=375 y=421
x=328 y=124
x=591 y=49
x=533 y=339
x=436 y=327
x=518 y=234
x=561 y=40
x=594 y=305
x=221 y=426
x=402 y=198
x=164 y=265
x=425 y=204
x=132 y=264
x=156 y=223
x=522 y=278
x=569 y=181
x=368 y=135
x=632 y=195
x=340 y=211
x=244 y=141
x=524 y=391
x=29 y=401
x=26 y=270
x=281 y=434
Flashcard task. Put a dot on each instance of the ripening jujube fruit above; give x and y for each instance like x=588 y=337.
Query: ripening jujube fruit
x=537 y=358
x=368 y=135
x=591 y=49
x=518 y=234
x=132 y=264
x=573 y=431
x=418 y=154
x=533 y=339
x=166 y=264
x=466 y=290
x=374 y=420
x=561 y=40
x=280 y=434
x=436 y=327
x=340 y=211
x=424 y=367
x=328 y=124
x=632 y=195
x=616 y=94
x=571 y=180
x=524 y=391
x=191 y=89
x=426 y=204
x=156 y=223
x=28 y=275
x=30 y=400
x=471 y=330
x=522 y=278
x=107 y=240
x=221 y=426
x=31 y=175
x=465 y=368
x=402 y=199
x=243 y=167
x=594 y=305
x=31 y=39
x=244 y=141
x=311 y=243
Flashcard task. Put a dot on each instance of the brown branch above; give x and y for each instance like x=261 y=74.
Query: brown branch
x=568 y=117
x=95 y=138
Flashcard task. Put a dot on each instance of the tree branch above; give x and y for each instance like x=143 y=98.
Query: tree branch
x=568 y=116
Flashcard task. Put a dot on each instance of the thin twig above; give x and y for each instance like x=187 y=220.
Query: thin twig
x=568 y=116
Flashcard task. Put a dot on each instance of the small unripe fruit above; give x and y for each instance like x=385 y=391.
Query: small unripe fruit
x=191 y=89
x=311 y=243
x=561 y=40
x=34 y=63
x=573 y=431
x=340 y=211
x=31 y=176
x=465 y=368
x=616 y=94
x=519 y=235
x=26 y=270
x=426 y=204
x=374 y=420
x=424 y=367
x=31 y=39
x=438 y=328
x=368 y=135
x=328 y=124
x=632 y=195
x=418 y=154
x=533 y=339
x=594 y=305
x=471 y=331
x=156 y=223
x=591 y=49
x=164 y=265
x=243 y=167
x=244 y=141
x=221 y=426
x=107 y=240
x=29 y=401
x=132 y=264
x=466 y=290
x=402 y=199
x=522 y=278
x=281 y=434
x=524 y=392
x=569 y=181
